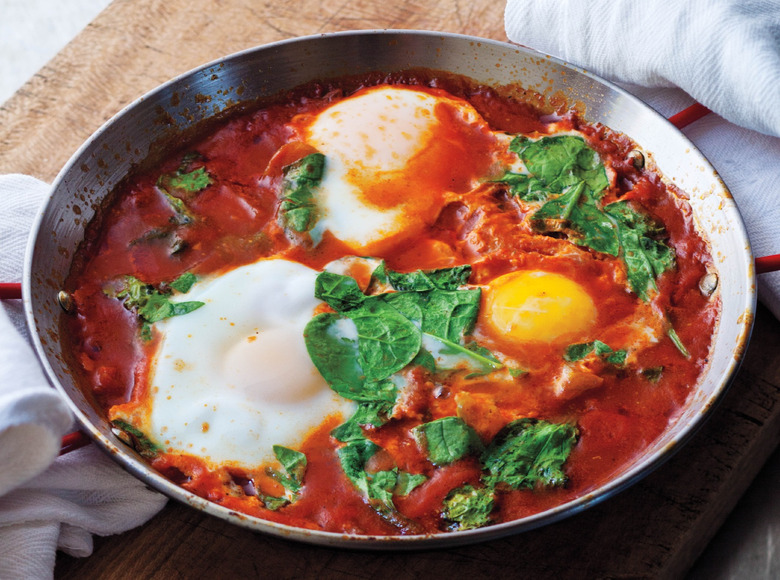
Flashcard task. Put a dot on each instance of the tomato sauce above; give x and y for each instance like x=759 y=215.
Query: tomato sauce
x=137 y=234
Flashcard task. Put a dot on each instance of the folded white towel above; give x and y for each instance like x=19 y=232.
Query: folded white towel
x=723 y=53
x=82 y=493
x=33 y=416
x=46 y=506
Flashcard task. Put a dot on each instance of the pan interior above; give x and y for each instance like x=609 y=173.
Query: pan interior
x=185 y=102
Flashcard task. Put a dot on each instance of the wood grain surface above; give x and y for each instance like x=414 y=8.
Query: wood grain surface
x=655 y=529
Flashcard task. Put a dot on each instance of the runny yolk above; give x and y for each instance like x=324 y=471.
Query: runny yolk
x=537 y=306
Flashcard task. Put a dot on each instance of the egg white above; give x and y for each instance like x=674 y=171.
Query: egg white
x=369 y=140
x=233 y=378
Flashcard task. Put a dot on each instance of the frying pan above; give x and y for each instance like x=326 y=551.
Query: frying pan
x=183 y=103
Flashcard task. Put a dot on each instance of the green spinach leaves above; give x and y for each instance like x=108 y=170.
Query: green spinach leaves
x=152 y=304
x=370 y=338
x=446 y=440
x=136 y=439
x=290 y=477
x=529 y=452
x=568 y=178
x=298 y=210
x=469 y=507
x=646 y=257
x=184 y=179
x=526 y=453
x=554 y=165
x=185 y=182
x=177 y=189
x=575 y=352
x=380 y=486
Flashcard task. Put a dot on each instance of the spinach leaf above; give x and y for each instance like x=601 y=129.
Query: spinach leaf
x=525 y=186
x=424 y=359
x=290 y=477
x=653 y=374
x=578 y=209
x=487 y=361
x=446 y=440
x=378 y=487
x=289 y=483
x=360 y=349
x=559 y=162
x=451 y=314
x=159 y=307
x=409 y=281
x=137 y=439
x=383 y=485
x=646 y=257
x=566 y=166
x=294 y=464
x=181 y=214
x=183 y=182
x=273 y=503
x=349 y=430
x=332 y=343
x=184 y=283
x=369 y=413
x=448 y=355
x=376 y=401
x=569 y=177
x=146 y=331
x=575 y=352
x=408 y=482
x=562 y=206
x=298 y=209
x=383 y=391
x=593 y=228
x=529 y=452
x=353 y=457
x=150 y=304
x=410 y=305
x=373 y=337
x=131 y=291
x=579 y=351
x=525 y=453
x=677 y=342
x=190 y=182
x=387 y=340
x=339 y=292
x=469 y=507
x=379 y=275
x=420 y=281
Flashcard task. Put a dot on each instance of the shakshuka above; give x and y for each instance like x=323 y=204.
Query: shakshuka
x=402 y=304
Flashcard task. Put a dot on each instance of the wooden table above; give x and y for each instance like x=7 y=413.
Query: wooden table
x=655 y=529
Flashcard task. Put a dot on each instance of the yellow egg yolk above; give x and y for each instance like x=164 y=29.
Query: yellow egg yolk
x=537 y=306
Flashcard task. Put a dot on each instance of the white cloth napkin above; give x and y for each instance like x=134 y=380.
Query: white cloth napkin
x=47 y=503
x=723 y=53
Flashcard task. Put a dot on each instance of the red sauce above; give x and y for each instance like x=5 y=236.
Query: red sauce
x=237 y=224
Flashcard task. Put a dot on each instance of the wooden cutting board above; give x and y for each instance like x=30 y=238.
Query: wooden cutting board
x=655 y=529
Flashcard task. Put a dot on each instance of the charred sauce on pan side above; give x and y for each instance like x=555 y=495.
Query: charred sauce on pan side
x=237 y=225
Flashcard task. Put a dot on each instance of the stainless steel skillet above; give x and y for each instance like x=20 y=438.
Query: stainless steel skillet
x=199 y=95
